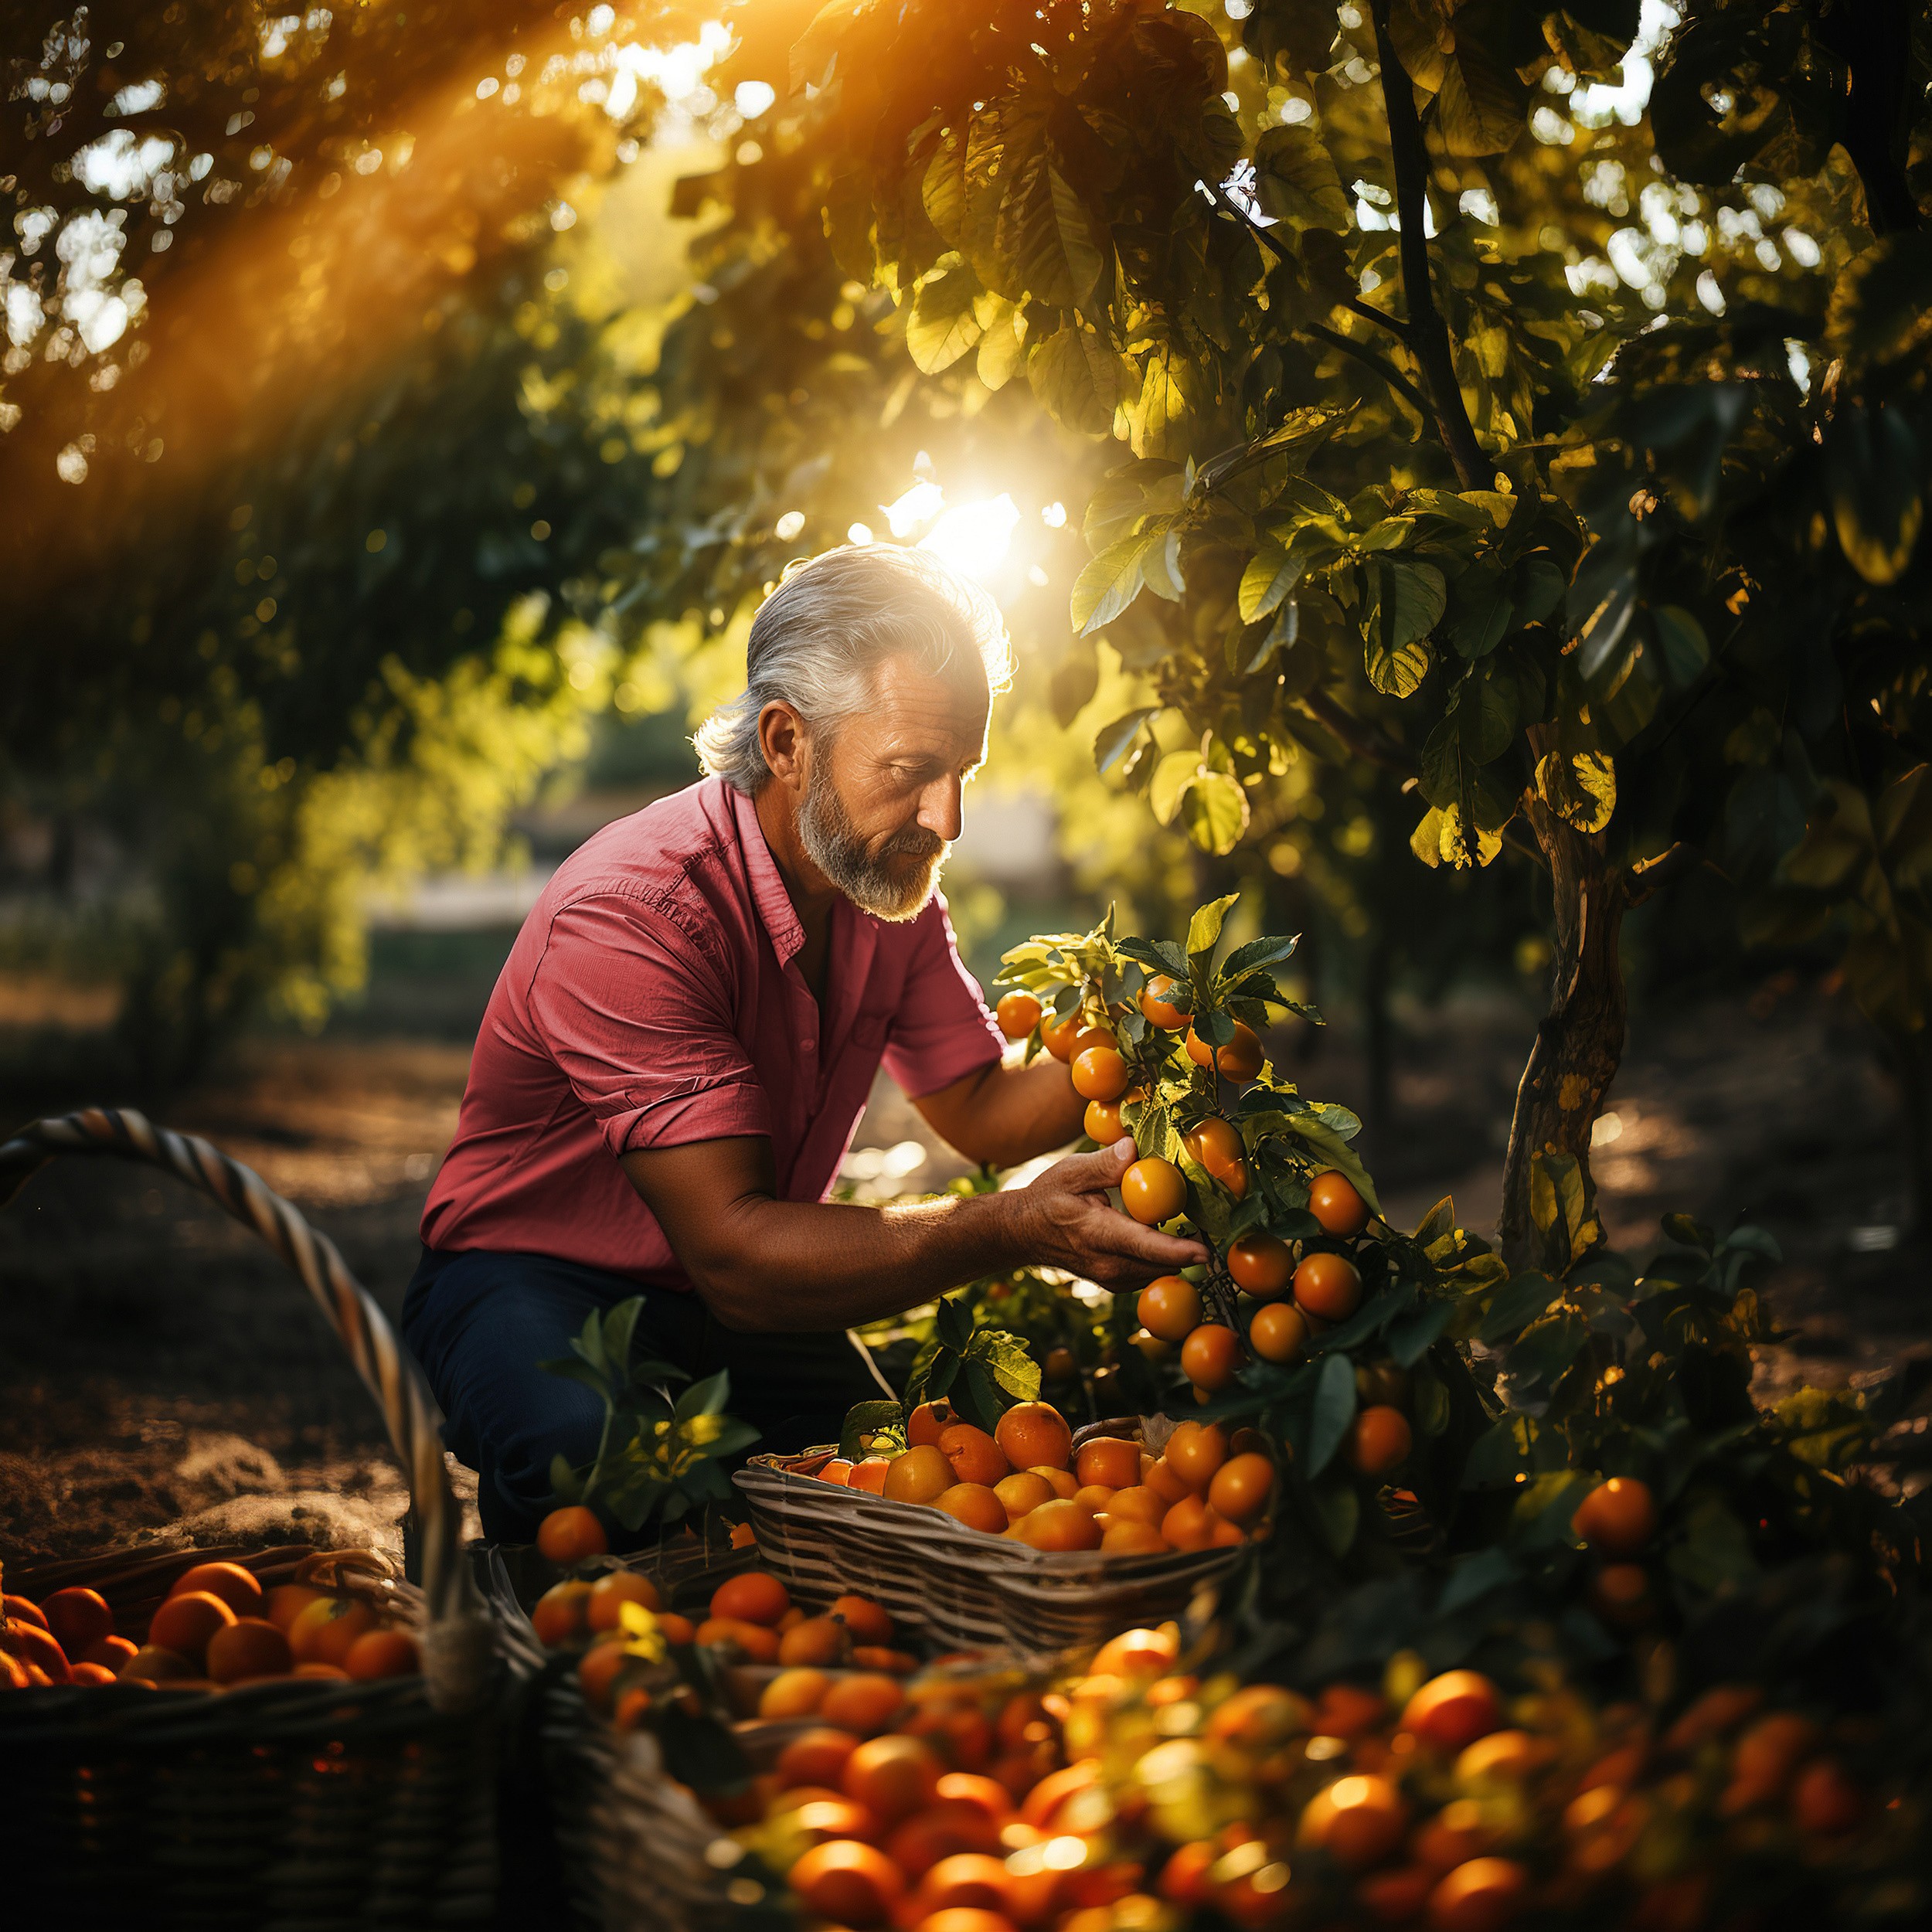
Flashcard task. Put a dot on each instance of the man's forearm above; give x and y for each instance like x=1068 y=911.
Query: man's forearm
x=1003 y=1115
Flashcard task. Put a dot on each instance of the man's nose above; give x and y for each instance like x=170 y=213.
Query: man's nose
x=943 y=808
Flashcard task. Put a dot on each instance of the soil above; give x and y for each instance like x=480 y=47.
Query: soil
x=165 y=1379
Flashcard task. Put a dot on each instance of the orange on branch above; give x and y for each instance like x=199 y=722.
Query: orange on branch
x=1157 y=1008
x=1103 y=1122
x=1195 y=1450
x=1278 y=1332
x=1261 y=1265
x=1240 y=1060
x=1241 y=1486
x=1211 y=1356
x=1153 y=1190
x=1099 y=1074
x=1328 y=1286
x=1018 y=1015
x=1618 y=1518
x=1334 y=1201
x=1378 y=1440
x=1213 y=1144
x=1170 y=1308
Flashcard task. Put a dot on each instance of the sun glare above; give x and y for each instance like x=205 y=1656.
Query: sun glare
x=973 y=537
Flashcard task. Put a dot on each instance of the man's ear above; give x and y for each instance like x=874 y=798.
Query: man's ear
x=786 y=741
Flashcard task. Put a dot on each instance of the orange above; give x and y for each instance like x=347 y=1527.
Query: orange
x=1020 y=1492
x=1103 y=1122
x=1358 y=1821
x=1347 y=1710
x=928 y=1423
x=153 y=1665
x=1095 y=1495
x=974 y=1505
x=1765 y=1758
x=1184 y=1878
x=393 y=1653
x=1213 y=1144
x=322 y=1673
x=816 y=1757
x=113 y=1651
x=566 y=1536
x=837 y=1470
x=865 y=1702
x=1478 y=1896
x=1241 y=1486
x=1502 y=1754
x=675 y=1629
x=1061 y=1365
x=1458 y=1833
x=1189 y=1525
x=1060 y=1524
x=892 y=1777
x=1061 y=1481
x=1110 y=1459
x=84 y=1673
x=1260 y=1263
x=1328 y=1285
x=36 y=1650
x=869 y=1475
x=1018 y=1015
x=1153 y=1190
x=1099 y=1074
x=1225 y=1535
x=185 y=1623
x=968 y=1880
x=21 y=1609
x=967 y=1787
x=239 y=1589
x=921 y=1475
x=1824 y=1801
x=974 y=1455
x=942 y=1830
x=1169 y=1306
x=286 y=1601
x=249 y=1647
x=1240 y=1060
x=632 y=1706
x=1195 y=1450
x=1033 y=1434
x=794 y=1693
x=1618 y=1518
x=1211 y=1356
x=1138 y=1653
x=901 y=1663
x=78 y=1619
x=1167 y=1482
x=847 y=1882
x=561 y=1615
x=323 y=1632
x=1138 y=1503
x=963 y=1737
x=1378 y=1440
x=1125 y=1537
x=1160 y=1012
x=1454 y=1710
x=1278 y=1333
x=757 y=1643
x=753 y=1596
x=1049 y=1795
x=1397 y=1897
x=609 y=1593
x=1620 y=1592
x=870 y=1623
x=1259 y=1717
x=815 y=1640
x=1333 y=1201
x=1058 y=1035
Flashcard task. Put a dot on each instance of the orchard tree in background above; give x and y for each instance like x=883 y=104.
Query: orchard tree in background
x=1561 y=462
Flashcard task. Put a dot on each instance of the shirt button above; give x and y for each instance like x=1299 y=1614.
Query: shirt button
x=811 y=1046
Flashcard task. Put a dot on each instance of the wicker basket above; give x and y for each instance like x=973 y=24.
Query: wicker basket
x=295 y=1803
x=959 y=1588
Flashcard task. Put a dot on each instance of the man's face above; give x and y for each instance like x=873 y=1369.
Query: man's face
x=885 y=802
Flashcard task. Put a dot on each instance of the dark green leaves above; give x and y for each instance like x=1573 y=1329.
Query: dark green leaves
x=1875 y=472
x=1331 y=1412
x=1882 y=307
x=1295 y=180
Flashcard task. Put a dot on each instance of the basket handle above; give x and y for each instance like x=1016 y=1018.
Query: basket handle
x=456 y=1649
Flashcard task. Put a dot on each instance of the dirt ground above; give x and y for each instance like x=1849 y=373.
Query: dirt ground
x=164 y=1377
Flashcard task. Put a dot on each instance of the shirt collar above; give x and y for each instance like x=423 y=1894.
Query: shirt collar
x=768 y=893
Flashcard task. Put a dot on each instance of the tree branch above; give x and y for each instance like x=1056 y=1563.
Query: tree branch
x=1874 y=40
x=1650 y=876
x=1428 y=337
x=1358 y=735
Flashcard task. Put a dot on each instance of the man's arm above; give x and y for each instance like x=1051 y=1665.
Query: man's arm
x=1000 y=1116
x=765 y=1264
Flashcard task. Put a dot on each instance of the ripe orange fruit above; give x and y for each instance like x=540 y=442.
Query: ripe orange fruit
x=1125 y=1536
x=1358 y=1821
x=892 y=1777
x=1213 y=1144
x=675 y=1629
x=1278 y=1333
x=1062 y=1524
x=561 y=1615
x=1378 y=1440
x=815 y=1640
x=1824 y=1801
x=794 y=1693
x=1024 y=1490
x=964 y=1891
x=1240 y=1060
x=152 y=1665
x=941 y=1831
x=1137 y=1503
x=1062 y=1482
x=898 y=1663
x=78 y=1619
x=286 y=1601
x=1164 y=1479
x=1333 y=1201
x=1259 y=1717
x=1099 y=1074
x=1501 y=1755
x=86 y=1673
x=870 y=1623
x=967 y=1787
x=1138 y=1653
x=974 y=1505
x=756 y=1643
x=33 y=1649
x=754 y=1596
x=1034 y=1435
x=323 y=1632
x=185 y=1623
x=1058 y=1035
x=567 y=1536
x=1195 y=1450
x=837 y=1471
x=921 y=1475
x=1112 y=1461
x=1454 y=1710
x=1620 y=1592
x=249 y=1647
x=848 y=1882
x=928 y=1423
x=1618 y=1517
x=112 y=1651
x=1156 y=1006
x=1328 y=1285
x=1211 y=1356
x=1189 y=1525
x=1018 y=1015
x=239 y=1589
x=1478 y=1896
x=609 y=1593
x=21 y=1609
x=869 y=1476
x=393 y=1653
x=974 y=1455
x=1096 y=1496
x=1241 y=1486
x=864 y=1703
x=1103 y=1122
x=1260 y=1264
x=816 y=1757
x=1169 y=1306
x=1153 y=1190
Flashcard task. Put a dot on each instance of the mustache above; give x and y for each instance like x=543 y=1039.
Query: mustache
x=914 y=842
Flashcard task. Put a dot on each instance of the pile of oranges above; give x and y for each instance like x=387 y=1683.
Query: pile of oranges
x=216 y=1629
x=1025 y=1480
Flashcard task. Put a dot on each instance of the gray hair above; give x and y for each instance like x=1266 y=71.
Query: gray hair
x=818 y=637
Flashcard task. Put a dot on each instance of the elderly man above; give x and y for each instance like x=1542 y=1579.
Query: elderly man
x=673 y=1061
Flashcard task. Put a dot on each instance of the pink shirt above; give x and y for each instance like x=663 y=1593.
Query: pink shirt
x=650 y=1000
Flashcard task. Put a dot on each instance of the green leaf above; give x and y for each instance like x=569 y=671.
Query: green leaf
x=1873 y=466
x=1204 y=929
x=1518 y=1303
x=1480 y=107
x=1112 y=742
x=1006 y=1359
x=1547 y=1347
x=704 y=1398
x=1334 y=1409
x=867 y=1419
x=1340 y=1511
x=1295 y=179
x=1336 y=1151
x=1410 y=1337
x=1281 y=635
x=1214 y=810
x=1681 y=640
x=1397 y=674
x=1109 y=583
x=1409 y=600
x=1256 y=954
x=1475 y=1577
x=943 y=324
x=953 y=1322
x=1272 y=572
x=1580 y=789
x=1882 y=307
x=1079 y=377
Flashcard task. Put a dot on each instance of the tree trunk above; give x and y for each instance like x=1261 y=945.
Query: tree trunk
x=1578 y=1044
x=1911 y=1069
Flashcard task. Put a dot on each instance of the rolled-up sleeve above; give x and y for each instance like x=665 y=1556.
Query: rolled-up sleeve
x=942 y=1031
x=638 y=1019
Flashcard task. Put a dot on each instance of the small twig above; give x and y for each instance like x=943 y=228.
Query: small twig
x=1652 y=875
x=1365 y=740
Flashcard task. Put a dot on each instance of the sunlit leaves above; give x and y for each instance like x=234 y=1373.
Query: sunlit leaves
x=1109 y=583
x=1079 y=377
x=1882 y=307
x=1580 y=788
x=1875 y=467
x=1295 y=179
x=943 y=323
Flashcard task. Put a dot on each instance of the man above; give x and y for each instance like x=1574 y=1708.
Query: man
x=673 y=1061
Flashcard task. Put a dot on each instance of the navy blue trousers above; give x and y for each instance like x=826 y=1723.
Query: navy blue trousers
x=480 y=1323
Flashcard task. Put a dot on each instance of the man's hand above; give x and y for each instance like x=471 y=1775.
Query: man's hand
x=1073 y=1225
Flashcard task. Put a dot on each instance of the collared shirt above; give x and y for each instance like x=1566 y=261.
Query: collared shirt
x=651 y=1000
